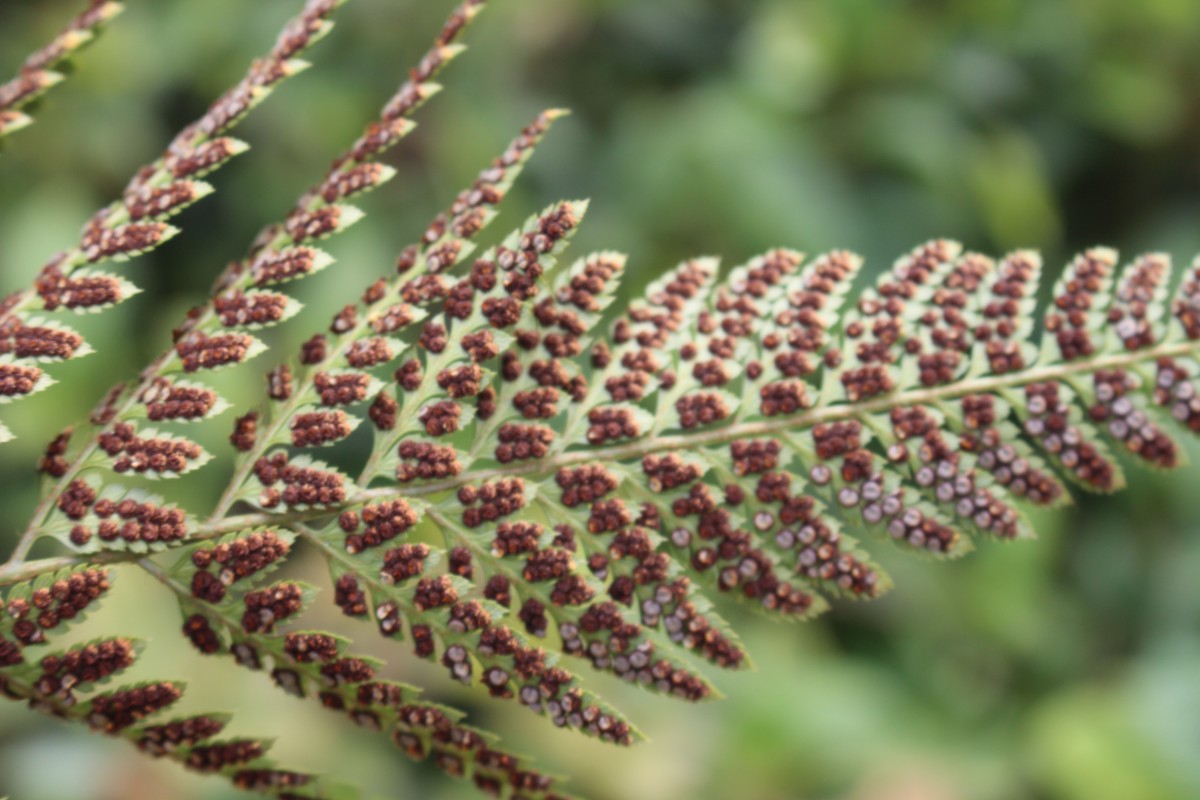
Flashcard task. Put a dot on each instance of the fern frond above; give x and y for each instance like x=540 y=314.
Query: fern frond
x=136 y=224
x=65 y=684
x=38 y=73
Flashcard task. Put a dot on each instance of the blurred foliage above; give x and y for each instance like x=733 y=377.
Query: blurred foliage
x=1065 y=668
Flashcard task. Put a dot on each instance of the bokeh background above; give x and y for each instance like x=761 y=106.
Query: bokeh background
x=1066 y=669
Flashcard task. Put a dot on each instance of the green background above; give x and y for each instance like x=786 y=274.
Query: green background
x=1063 y=668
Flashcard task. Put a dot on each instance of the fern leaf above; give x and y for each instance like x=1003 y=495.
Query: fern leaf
x=38 y=73
x=134 y=224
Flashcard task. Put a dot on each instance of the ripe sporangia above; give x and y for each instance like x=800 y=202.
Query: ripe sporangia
x=404 y=562
x=440 y=418
x=341 y=390
x=302 y=486
x=434 y=593
x=611 y=424
x=315 y=350
x=89 y=291
x=167 y=401
x=134 y=453
x=1049 y=423
x=350 y=597
x=84 y=665
x=162 y=739
x=99 y=242
x=199 y=351
x=315 y=428
x=54 y=462
x=1126 y=423
x=37 y=341
x=266 y=607
x=584 y=485
x=257 y=308
x=379 y=523
x=245 y=432
x=521 y=442
x=491 y=501
x=214 y=757
x=115 y=711
x=368 y=353
x=47 y=607
x=310 y=647
x=18 y=379
x=459 y=382
x=234 y=561
x=384 y=411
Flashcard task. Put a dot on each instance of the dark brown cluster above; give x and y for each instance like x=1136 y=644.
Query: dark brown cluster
x=280 y=383
x=237 y=309
x=54 y=461
x=866 y=382
x=316 y=428
x=84 y=665
x=522 y=442
x=168 y=401
x=502 y=312
x=425 y=461
x=349 y=596
x=393 y=318
x=1072 y=317
x=302 y=486
x=349 y=181
x=37 y=341
x=1136 y=296
x=162 y=739
x=480 y=346
x=341 y=390
x=754 y=456
x=404 y=562
x=1115 y=409
x=434 y=593
x=201 y=634
x=441 y=418
x=782 y=398
x=584 y=485
x=608 y=516
x=369 y=352
x=307 y=226
x=314 y=350
x=1047 y=421
x=307 y=648
x=278 y=266
x=216 y=757
x=589 y=283
x=130 y=521
x=48 y=606
x=17 y=380
x=837 y=438
x=491 y=501
x=384 y=411
x=1016 y=280
x=116 y=711
x=377 y=524
x=516 y=538
x=540 y=403
x=133 y=453
x=184 y=161
x=234 y=561
x=84 y=292
x=459 y=382
x=100 y=242
x=198 y=351
x=667 y=472
x=266 y=607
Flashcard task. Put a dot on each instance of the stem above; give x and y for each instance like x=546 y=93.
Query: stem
x=16 y=570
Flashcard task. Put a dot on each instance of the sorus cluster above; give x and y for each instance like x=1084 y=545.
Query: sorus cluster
x=130 y=521
x=64 y=599
x=302 y=486
x=1175 y=390
x=266 y=607
x=116 y=711
x=84 y=665
x=491 y=501
x=159 y=455
x=1048 y=421
x=1016 y=279
x=1114 y=408
x=165 y=400
x=425 y=461
x=1072 y=316
x=378 y=523
x=1128 y=314
x=233 y=561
